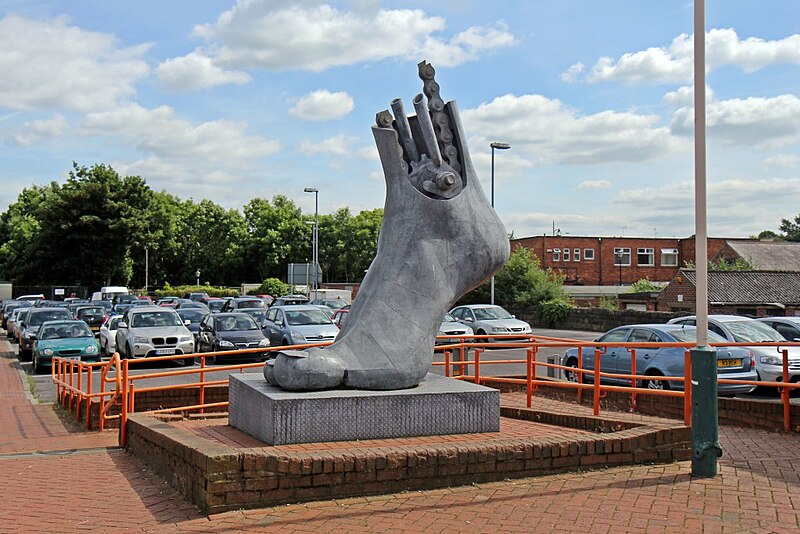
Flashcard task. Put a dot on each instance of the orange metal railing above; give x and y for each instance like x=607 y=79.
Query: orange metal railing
x=118 y=385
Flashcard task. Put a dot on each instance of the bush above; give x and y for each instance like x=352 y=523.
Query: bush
x=271 y=286
x=179 y=291
x=554 y=311
x=644 y=286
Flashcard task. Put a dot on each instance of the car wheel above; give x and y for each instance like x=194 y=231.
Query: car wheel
x=128 y=351
x=657 y=385
x=569 y=374
x=36 y=368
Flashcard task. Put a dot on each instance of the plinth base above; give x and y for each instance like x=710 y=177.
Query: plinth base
x=437 y=406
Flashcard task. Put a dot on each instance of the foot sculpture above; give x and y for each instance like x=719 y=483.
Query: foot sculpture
x=439 y=239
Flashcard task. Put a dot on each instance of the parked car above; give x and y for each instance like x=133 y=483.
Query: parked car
x=29 y=324
x=333 y=304
x=10 y=305
x=231 y=331
x=485 y=319
x=107 y=305
x=147 y=331
x=70 y=339
x=259 y=314
x=287 y=300
x=191 y=319
x=145 y=299
x=769 y=361
x=124 y=299
x=243 y=302
x=733 y=363
x=451 y=327
x=167 y=302
x=340 y=316
x=298 y=323
x=215 y=305
x=196 y=296
x=108 y=335
x=192 y=304
x=788 y=327
x=31 y=298
x=94 y=316
x=12 y=330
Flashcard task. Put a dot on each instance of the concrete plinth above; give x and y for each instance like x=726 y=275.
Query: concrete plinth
x=437 y=406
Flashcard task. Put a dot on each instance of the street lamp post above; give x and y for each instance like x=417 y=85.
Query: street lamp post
x=197 y=277
x=498 y=146
x=315 y=239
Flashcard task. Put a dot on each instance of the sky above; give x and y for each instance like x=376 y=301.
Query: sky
x=230 y=100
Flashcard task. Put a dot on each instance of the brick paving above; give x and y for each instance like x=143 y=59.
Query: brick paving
x=94 y=488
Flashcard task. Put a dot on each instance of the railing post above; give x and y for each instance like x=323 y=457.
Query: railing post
x=71 y=383
x=478 y=366
x=634 y=407
x=89 y=400
x=528 y=380
x=123 y=416
x=579 y=374
x=447 y=363
x=787 y=413
x=79 y=403
x=687 y=388
x=464 y=351
x=202 y=383
x=596 y=403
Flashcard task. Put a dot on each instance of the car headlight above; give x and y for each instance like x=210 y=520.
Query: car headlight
x=297 y=335
x=225 y=343
x=141 y=340
x=771 y=360
x=264 y=343
x=47 y=352
x=90 y=349
x=499 y=329
x=184 y=339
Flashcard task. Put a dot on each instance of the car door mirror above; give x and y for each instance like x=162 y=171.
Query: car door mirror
x=187 y=322
x=32 y=337
x=122 y=324
x=279 y=322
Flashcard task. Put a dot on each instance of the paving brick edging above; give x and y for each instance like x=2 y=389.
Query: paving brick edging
x=217 y=478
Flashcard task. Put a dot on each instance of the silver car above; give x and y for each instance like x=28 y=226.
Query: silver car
x=147 y=331
x=769 y=361
x=451 y=327
x=297 y=324
x=486 y=319
x=108 y=335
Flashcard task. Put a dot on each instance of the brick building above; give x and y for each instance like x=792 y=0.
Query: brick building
x=753 y=293
x=608 y=261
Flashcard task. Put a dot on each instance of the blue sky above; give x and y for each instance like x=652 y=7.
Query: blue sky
x=235 y=100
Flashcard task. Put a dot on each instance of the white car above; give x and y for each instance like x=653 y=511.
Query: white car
x=486 y=319
x=108 y=333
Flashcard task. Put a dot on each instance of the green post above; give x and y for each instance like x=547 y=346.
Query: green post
x=705 y=421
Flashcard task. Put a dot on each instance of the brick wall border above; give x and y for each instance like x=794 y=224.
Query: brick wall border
x=217 y=478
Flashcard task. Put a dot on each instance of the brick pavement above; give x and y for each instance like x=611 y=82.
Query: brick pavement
x=107 y=490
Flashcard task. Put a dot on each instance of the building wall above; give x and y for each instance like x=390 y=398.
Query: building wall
x=602 y=270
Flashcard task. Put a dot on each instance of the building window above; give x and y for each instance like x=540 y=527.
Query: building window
x=566 y=254
x=576 y=255
x=645 y=256
x=622 y=256
x=556 y=254
x=669 y=257
x=588 y=254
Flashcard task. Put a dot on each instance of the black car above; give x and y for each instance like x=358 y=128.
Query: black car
x=94 y=316
x=191 y=318
x=231 y=331
x=288 y=300
x=243 y=302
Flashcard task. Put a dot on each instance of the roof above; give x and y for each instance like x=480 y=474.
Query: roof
x=750 y=287
x=769 y=255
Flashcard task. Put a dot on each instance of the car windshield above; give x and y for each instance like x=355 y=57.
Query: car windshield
x=256 y=313
x=215 y=304
x=744 y=331
x=105 y=304
x=65 y=331
x=112 y=324
x=250 y=303
x=448 y=318
x=306 y=317
x=334 y=304
x=155 y=319
x=38 y=318
x=193 y=314
x=236 y=323
x=487 y=314
x=690 y=335
x=90 y=312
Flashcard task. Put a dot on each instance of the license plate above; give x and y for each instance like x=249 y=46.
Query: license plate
x=72 y=357
x=165 y=352
x=729 y=363
x=95 y=328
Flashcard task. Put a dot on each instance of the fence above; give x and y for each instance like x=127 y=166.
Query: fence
x=74 y=381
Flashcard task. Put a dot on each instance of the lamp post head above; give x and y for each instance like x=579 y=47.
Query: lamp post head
x=311 y=190
x=197 y=273
x=500 y=146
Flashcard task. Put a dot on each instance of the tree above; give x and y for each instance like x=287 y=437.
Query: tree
x=790 y=229
x=277 y=235
x=644 y=286
x=738 y=264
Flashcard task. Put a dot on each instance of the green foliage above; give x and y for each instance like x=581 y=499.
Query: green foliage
x=644 y=286
x=522 y=283
x=554 y=311
x=739 y=264
x=790 y=229
x=271 y=286
x=180 y=291
x=608 y=302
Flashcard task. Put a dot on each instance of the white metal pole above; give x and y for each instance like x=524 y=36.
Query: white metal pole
x=491 y=286
x=701 y=241
x=316 y=245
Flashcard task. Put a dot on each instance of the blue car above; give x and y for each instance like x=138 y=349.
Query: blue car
x=733 y=363
x=68 y=339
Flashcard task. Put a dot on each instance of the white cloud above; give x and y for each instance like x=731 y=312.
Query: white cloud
x=674 y=63
x=782 y=161
x=684 y=96
x=759 y=122
x=196 y=71
x=322 y=105
x=550 y=132
x=36 y=131
x=48 y=64
x=594 y=184
x=571 y=74
x=338 y=146
x=312 y=35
